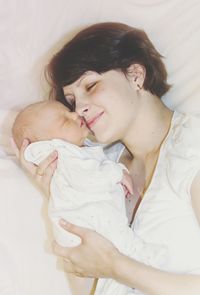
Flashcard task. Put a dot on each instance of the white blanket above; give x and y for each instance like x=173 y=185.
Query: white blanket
x=27 y=262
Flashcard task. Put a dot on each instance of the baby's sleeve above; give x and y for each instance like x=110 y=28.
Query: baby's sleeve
x=91 y=175
x=36 y=152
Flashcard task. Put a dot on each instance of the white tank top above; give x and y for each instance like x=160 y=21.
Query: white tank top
x=165 y=217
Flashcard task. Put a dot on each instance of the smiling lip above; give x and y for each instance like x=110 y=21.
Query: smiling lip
x=82 y=122
x=92 y=121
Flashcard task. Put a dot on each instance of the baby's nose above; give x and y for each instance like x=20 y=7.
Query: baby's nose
x=74 y=116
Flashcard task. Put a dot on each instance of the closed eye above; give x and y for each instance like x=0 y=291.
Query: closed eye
x=90 y=86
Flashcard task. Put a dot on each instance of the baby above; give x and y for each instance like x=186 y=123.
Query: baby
x=87 y=189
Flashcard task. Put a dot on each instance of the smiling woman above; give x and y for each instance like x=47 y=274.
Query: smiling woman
x=113 y=77
x=30 y=31
x=109 y=90
x=112 y=48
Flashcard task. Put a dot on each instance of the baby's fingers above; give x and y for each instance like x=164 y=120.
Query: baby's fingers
x=27 y=166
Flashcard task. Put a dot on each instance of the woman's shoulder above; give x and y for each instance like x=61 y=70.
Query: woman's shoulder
x=182 y=158
x=184 y=135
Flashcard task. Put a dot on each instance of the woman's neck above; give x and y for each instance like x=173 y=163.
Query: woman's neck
x=144 y=141
x=149 y=129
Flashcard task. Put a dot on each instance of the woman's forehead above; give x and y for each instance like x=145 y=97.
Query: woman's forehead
x=78 y=82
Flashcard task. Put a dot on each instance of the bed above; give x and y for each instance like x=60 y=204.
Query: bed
x=30 y=32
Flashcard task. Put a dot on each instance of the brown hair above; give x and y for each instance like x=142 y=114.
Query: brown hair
x=103 y=47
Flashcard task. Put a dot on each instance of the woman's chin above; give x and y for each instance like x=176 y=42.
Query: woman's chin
x=100 y=137
x=103 y=139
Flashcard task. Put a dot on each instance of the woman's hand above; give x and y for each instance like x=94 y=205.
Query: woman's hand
x=94 y=257
x=41 y=174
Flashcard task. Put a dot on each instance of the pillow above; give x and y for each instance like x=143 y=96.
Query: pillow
x=30 y=36
x=6 y=120
x=27 y=264
x=30 y=32
x=174 y=28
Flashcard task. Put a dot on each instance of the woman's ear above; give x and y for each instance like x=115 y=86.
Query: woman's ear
x=136 y=73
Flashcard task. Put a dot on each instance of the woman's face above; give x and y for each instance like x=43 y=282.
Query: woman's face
x=107 y=102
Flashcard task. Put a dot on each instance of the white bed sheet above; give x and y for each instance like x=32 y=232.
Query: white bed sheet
x=27 y=265
x=30 y=31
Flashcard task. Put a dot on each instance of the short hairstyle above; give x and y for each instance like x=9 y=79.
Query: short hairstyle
x=103 y=47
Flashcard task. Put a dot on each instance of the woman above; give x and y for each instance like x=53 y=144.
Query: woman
x=112 y=76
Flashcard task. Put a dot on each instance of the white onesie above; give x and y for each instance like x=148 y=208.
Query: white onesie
x=86 y=191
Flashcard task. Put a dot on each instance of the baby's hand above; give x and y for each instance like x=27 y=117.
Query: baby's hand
x=127 y=183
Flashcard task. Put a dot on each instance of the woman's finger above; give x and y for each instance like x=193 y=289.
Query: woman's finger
x=61 y=251
x=50 y=171
x=68 y=266
x=27 y=166
x=47 y=166
x=14 y=147
x=24 y=145
x=72 y=228
x=45 y=180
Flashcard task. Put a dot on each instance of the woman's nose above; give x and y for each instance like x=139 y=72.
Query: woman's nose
x=82 y=110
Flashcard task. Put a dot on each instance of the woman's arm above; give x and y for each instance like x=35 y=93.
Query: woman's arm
x=152 y=281
x=41 y=174
x=81 y=286
x=97 y=257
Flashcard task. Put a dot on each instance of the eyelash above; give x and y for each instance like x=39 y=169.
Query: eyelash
x=72 y=101
x=88 y=88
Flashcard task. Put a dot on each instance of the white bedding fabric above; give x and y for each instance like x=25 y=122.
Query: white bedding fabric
x=27 y=265
x=30 y=31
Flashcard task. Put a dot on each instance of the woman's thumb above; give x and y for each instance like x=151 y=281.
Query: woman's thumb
x=74 y=229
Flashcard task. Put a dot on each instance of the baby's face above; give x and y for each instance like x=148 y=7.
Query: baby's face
x=58 y=122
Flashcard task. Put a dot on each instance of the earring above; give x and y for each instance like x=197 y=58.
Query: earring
x=139 y=86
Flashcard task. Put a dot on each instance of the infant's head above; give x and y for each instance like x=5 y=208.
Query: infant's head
x=47 y=120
